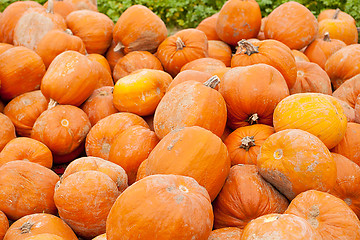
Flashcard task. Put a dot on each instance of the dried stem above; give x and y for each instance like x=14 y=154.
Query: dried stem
x=253 y=119
x=212 y=82
x=249 y=48
x=179 y=44
x=327 y=37
x=247 y=142
x=336 y=14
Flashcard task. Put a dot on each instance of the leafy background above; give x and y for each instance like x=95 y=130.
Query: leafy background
x=189 y=13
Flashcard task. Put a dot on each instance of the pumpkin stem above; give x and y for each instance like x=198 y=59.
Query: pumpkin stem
x=52 y=103
x=327 y=37
x=179 y=44
x=118 y=47
x=253 y=119
x=26 y=227
x=50 y=7
x=247 y=142
x=68 y=31
x=336 y=14
x=212 y=82
x=249 y=48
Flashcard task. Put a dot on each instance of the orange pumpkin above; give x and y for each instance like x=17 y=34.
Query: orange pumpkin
x=134 y=61
x=239 y=19
x=100 y=104
x=326 y=214
x=221 y=51
x=337 y=13
x=61 y=7
x=62 y=128
x=349 y=91
x=348 y=110
x=35 y=194
x=48 y=49
x=292 y=24
x=134 y=33
x=191 y=104
x=204 y=65
x=182 y=47
x=357 y=110
x=173 y=202
x=84 y=4
x=244 y=143
x=141 y=91
x=141 y=173
x=39 y=223
x=208 y=26
x=270 y=52
x=101 y=59
x=280 y=226
x=4 y=225
x=328 y=122
x=321 y=49
x=94 y=28
x=114 y=171
x=103 y=133
x=295 y=161
x=24 y=109
x=113 y=56
x=26 y=149
x=7 y=130
x=104 y=77
x=131 y=147
x=228 y=233
x=246 y=196
x=5 y=46
x=70 y=78
x=44 y=236
x=21 y=71
x=252 y=93
x=84 y=199
x=311 y=78
x=189 y=75
x=194 y=152
x=299 y=56
x=100 y=237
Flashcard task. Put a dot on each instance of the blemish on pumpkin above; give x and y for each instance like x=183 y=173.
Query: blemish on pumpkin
x=26 y=227
x=179 y=198
x=65 y=122
x=105 y=148
x=313 y=214
x=278 y=154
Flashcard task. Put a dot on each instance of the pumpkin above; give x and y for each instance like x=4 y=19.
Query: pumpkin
x=244 y=143
x=208 y=26
x=7 y=130
x=299 y=56
x=357 y=110
x=100 y=104
x=70 y=78
x=103 y=133
x=104 y=77
x=39 y=223
x=101 y=59
x=238 y=19
x=252 y=93
x=100 y=237
x=347 y=182
x=94 y=28
x=280 y=226
x=113 y=56
x=131 y=147
x=335 y=13
x=10 y=17
x=21 y=71
x=44 y=236
x=5 y=46
x=194 y=152
x=292 y=24
x=84 y=199
x=348 y=110
x=134 y=61
x=84 y=4
x=189 y=75
x=270 y=52
x=349 y=91
x=141 y=173
x=228 y=233
x=134 y=33
x=141 y=91
x=114 y=171
x=26 y=149
x=246 y=196
x=48 y=49
x=326 y=214
x=261 y=34
x=35 y=194
x=311 y=78
x=191 y=104
x=24 y=109
x=4 y=225
x=177 y=207
x=321 y=49
x=204 y=65
x=295 y=161
x=349 y=146
x=61 y=7
x=328 y=122
x=343 y=64
x=220 y=50
x=182 y=47
x=62 y=128
x=35 y=23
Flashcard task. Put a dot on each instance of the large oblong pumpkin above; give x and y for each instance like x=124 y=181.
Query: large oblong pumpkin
x=194 y=152
x=319 y=114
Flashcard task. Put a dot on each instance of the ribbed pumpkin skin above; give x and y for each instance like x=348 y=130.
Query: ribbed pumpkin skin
x=221 y=51
x=329 y=13
x=327 y=214
x=279 y=226
x=44 y=236
x=244 y=197
x=7 y=130
x=177 y=207
x=299 y=56
x=194 y=152
x=349 y=91
x=328 y=121
x=339 y=29
x=189 y=104
x=294 y=161
x=250 y=90
x=228 y=233
x=4 y=224
x=293 y=24
x=347 y=182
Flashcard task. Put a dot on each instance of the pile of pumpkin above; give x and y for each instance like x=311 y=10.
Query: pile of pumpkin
x=243 y=128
